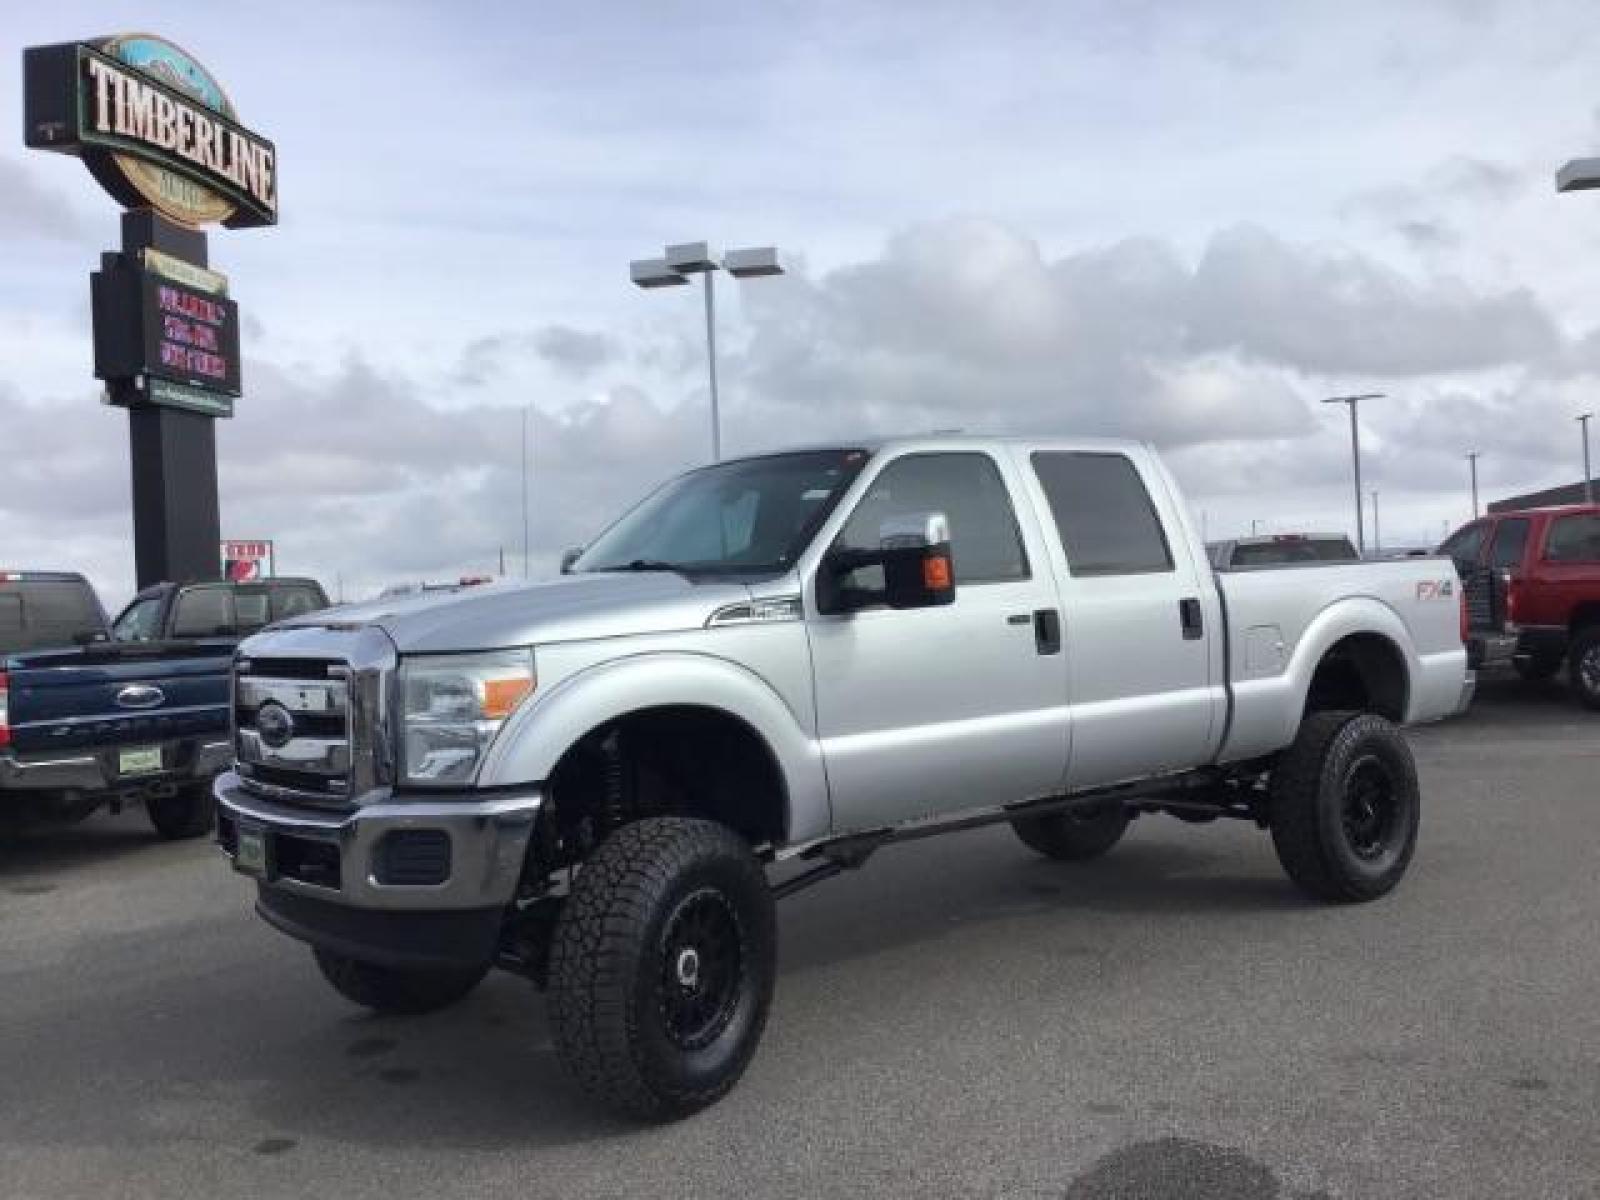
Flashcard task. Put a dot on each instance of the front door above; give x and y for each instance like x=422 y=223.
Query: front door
x=929 y=711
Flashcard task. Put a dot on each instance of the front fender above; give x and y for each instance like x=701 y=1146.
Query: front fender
x=541 y=732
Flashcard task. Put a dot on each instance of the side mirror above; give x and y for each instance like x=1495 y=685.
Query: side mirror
x=569 y=556
x=914 y=554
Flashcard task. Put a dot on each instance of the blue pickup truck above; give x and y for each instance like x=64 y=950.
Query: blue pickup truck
x=95 y=716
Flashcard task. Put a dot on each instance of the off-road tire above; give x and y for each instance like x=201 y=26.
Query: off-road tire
x=1536 y=668
x=1583 y=669
x=187 y=813
x=1345 y=806
x=620 y=1008
x=1074 y=837
x=401 y=991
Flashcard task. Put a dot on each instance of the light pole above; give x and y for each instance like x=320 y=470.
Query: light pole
x=1354 y=403
x=1472 y=458
x=1377 y=537
x=1588 y=478
x=698 y=258
x=525 y=491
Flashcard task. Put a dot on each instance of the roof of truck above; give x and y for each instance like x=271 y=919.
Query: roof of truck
x=954 y=437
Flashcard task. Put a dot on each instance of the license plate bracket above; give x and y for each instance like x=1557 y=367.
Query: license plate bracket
x=253 y=852
x=139 y=760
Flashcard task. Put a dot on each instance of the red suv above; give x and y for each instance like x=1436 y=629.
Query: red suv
x=1532 y=582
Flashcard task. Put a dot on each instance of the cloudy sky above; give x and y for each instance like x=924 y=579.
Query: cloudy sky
x=1185 y=223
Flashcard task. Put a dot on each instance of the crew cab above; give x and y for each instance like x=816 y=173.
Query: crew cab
x=172 y=612
x=769 y=670
x=86 y=723
x=1533 y=592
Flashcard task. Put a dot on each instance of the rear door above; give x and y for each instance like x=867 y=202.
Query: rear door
x=1140 y=615
x=934 y=710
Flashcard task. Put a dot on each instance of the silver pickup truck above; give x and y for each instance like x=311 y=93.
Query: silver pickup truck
x=771 y=668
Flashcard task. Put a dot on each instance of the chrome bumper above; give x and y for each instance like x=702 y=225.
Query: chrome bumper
x=95 y=773
x=488 y=837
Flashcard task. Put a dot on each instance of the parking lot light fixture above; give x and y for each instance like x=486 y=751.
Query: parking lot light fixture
x=1583 y=420
x=684 y=259
x=1354 y=404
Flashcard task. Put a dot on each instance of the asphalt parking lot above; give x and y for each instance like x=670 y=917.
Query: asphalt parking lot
x=960 y=1019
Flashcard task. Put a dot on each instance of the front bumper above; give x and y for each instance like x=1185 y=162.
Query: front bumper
x=347 y=858
x=183 y=761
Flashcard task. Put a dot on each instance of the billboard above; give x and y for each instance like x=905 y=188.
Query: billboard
x=246 y=561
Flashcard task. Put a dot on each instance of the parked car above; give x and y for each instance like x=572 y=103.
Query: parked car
x=86 y=722
x=1533 y=592
x=171 y=612
x=788 y=662
x=1280 y=549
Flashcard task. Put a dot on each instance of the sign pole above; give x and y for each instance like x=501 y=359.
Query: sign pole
x=177 y=521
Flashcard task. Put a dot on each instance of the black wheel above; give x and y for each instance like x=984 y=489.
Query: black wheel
x=398 y=990
x=1074 y=836
x=1584 y=666
x=187 y=813
x=1345 y=806
x=1536 y=668
x=662 y=967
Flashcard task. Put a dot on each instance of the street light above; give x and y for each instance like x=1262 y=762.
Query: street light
x=1472 y=458
x=1354 y=403
x=698 y=258
x=1377 y=537
x=1588 y=478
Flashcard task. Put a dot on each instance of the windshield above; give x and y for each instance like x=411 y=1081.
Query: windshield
x=751 y=516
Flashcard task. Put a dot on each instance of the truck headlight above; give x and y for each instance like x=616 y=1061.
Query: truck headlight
x=453 y=705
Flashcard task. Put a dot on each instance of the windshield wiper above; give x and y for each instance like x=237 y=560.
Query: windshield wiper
x=647 y=564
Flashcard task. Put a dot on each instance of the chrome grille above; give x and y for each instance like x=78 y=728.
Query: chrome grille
x=293 y=728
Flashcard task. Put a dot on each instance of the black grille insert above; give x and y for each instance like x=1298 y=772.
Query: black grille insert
x=412 y=857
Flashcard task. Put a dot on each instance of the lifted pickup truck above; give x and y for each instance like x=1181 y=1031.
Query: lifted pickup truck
x=86 y=723
x=770 y=669
x=1533 y=592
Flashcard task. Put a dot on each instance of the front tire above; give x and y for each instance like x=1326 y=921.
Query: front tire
x=1345 y=807
x=399 y=991
x=1584 y=666
x=662 y=967
x=1073 y=836
x=187 y=813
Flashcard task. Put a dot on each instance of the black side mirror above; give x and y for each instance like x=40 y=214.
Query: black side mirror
x=568 y=557
x=914 y=553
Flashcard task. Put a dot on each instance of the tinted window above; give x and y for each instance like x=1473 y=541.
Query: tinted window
x=294 y=600
x=1466 y=544
x=1293 y=550
x=1510 y=540
x=36 y=613
x=985 y=545
x=139 y=622
x=1108 y=525
x=1574 y=539
x=250 y=609
x=203 y=612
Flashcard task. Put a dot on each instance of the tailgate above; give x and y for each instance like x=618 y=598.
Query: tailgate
x=109 y=695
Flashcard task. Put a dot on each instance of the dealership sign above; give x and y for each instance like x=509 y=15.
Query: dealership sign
x=153 y=126
x=245 y=562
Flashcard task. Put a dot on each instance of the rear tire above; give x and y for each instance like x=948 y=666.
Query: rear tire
x=1074 y=837
x=1345 y=807
x=1584 y=669
x=401 y=991
x=662 y=967
x=1536 y=668
x=187 y=813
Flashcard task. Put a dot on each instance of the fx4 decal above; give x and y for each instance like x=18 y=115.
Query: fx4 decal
x=1436 y=589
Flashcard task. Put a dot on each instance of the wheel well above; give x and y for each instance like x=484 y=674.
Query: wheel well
x=682 y=760
x=1583 y=616
x=1364 y=672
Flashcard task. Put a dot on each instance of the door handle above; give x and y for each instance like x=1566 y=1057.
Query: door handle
x=1047 y=630
x=1191 y=618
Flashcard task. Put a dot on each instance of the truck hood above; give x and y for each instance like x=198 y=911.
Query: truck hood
x=570 y=608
